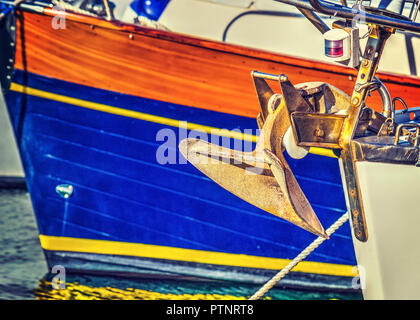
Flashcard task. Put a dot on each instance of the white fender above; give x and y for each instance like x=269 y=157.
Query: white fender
x=292 y=148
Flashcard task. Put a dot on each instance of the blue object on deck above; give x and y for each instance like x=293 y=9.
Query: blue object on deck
x=151 y=9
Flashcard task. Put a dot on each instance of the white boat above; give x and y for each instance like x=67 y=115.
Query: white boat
x=11 y=171
x=277 y=27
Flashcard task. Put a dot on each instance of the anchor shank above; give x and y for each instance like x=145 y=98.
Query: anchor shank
x=368 y=67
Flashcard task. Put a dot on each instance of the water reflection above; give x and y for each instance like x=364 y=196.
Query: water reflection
x=88 y=287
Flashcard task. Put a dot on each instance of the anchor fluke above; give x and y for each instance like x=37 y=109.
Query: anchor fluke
x=296 y=197
x=261 y=177
x=253 y=179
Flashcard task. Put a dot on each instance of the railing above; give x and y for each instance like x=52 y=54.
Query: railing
x=370 y=15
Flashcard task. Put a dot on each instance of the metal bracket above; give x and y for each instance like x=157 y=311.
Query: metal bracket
x=261 y=177
x=317 y=129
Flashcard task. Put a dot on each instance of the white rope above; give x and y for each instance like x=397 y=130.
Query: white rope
x=145 y=22
x=263 y=290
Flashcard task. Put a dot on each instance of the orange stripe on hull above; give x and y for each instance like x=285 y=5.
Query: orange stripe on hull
x=170 y=67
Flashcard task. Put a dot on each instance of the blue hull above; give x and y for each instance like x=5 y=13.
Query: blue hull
x=123 y=195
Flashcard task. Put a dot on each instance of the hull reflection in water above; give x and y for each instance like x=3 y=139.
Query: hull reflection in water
x=87 y=287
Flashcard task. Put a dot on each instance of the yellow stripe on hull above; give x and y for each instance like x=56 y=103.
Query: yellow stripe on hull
x=148 y=117
x=180 y=254
x=131 y=114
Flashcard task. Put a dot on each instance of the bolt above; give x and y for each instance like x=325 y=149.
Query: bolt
x=355 y=213
x=319 y=133
x=355 y=101
x=131 y=37
x=352 y=192
x=283 y=78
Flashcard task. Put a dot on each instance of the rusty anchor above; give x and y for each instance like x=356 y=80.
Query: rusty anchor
x=263 y=177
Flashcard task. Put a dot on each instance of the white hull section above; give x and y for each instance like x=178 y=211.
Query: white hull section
x=389 y=261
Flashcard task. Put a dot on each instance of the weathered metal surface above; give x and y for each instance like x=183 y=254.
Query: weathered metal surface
x=317 y=129
x=382 y=149
x=264 y=93
x=293 y=98
x=368 y=67
x=412 y=137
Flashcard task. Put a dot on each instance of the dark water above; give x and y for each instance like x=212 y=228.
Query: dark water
x=24 y=274
x=22 y=262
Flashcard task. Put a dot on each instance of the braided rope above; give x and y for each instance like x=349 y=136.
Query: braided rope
x=263 y=290
x=68 y=7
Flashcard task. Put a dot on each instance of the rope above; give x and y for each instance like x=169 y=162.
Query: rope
x=142 y=21
x=301 y=256
x=68 y=7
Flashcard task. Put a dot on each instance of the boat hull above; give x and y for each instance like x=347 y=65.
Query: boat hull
x=123 y=197
x=88 y=104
